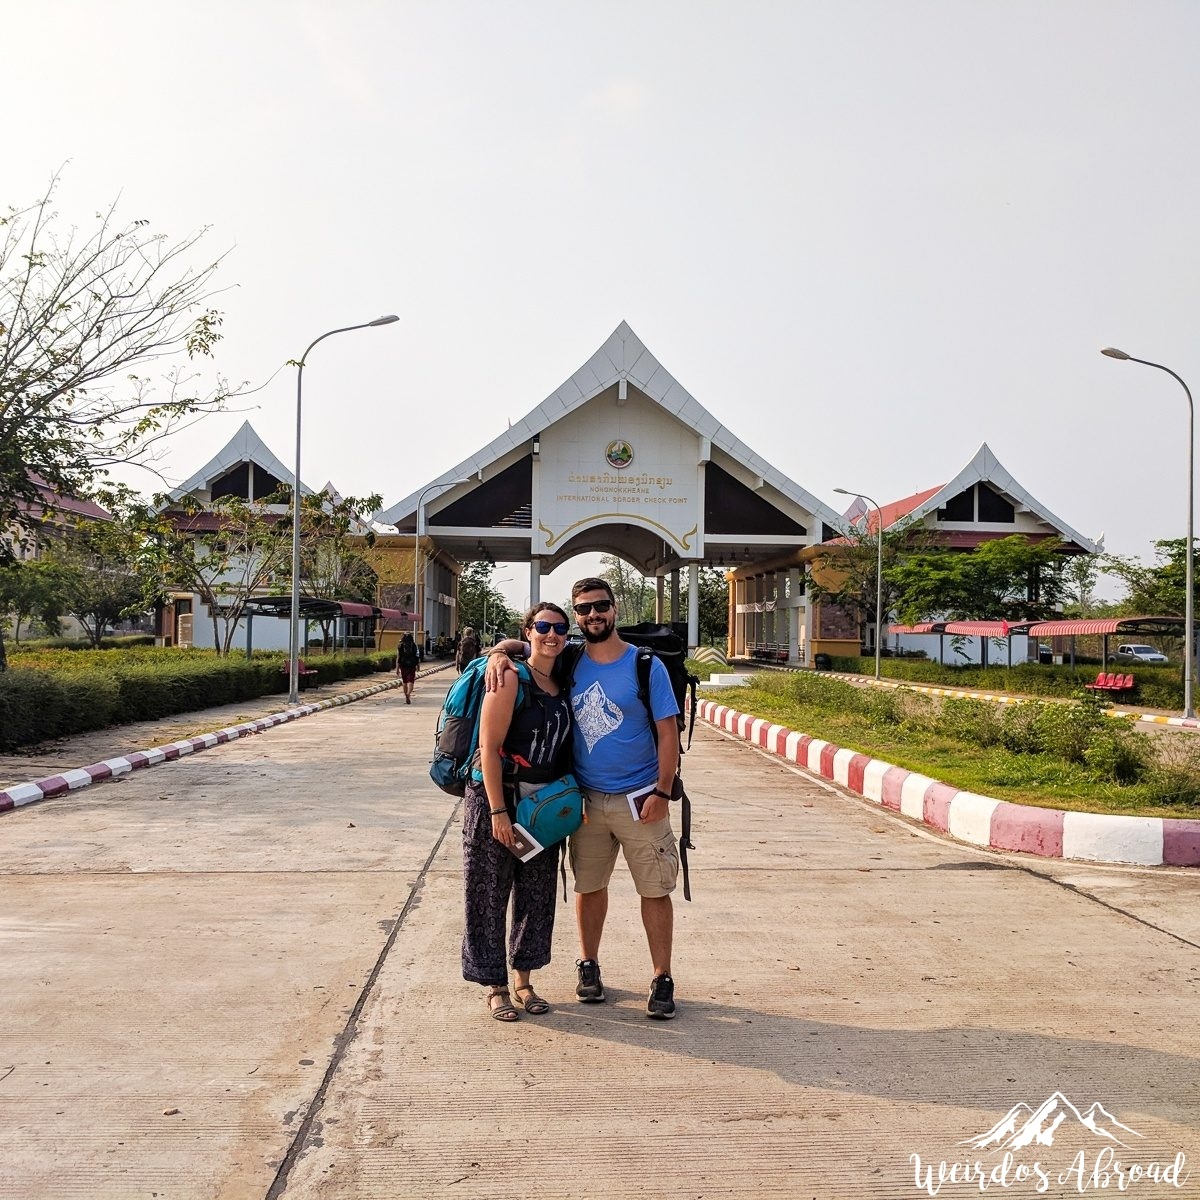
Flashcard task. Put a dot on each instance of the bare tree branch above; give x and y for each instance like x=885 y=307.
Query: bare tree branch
x=85 y=318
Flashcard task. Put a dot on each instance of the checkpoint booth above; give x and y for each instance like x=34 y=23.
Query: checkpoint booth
x=618 y=460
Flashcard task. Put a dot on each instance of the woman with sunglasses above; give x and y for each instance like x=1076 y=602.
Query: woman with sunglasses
x=522 y=745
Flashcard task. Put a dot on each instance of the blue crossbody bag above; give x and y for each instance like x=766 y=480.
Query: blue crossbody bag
x=554 y=811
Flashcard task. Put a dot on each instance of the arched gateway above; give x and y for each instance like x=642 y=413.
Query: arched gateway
x=619 y=460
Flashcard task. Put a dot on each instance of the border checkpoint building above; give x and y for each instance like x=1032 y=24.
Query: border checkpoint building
x=622 y=460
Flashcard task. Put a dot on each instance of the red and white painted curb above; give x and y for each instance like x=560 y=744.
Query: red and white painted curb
x=110 y=768
x=979 y=820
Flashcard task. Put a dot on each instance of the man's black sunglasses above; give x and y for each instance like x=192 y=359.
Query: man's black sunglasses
x=601 y=606
x=544 y=627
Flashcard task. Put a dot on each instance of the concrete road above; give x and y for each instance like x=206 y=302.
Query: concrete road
x=237 y=975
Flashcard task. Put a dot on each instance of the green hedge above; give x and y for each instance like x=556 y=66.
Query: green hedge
x=117 y=641
x=54 y=694
x=1155 y=687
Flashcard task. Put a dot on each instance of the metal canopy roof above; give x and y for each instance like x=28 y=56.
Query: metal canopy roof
x=315 y=609
x=1108 y=625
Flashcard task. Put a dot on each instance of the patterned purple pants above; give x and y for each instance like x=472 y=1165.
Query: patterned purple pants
x=491 y=873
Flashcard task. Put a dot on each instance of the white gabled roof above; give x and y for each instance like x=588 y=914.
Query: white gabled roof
x=985 y=467
x=622 y=356
x=244 y=446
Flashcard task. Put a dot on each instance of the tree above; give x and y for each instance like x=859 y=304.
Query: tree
x=1158 y=590
x=226 y=553
x=85 y=318
x=101 y=576
x=480 y=603
x=30 y=590
x=1080 y=573
x=844 y=572
x=633 y=591
x=1011 y=578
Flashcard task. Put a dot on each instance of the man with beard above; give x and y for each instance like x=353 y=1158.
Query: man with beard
x=626 y=754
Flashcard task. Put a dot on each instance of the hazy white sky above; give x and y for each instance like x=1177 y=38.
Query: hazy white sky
x=865 y=236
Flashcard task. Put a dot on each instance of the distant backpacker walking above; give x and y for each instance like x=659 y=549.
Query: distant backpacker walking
x=407 y=660
x=468 y=648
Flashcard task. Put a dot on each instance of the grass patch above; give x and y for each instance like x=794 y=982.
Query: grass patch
x=1053 y=755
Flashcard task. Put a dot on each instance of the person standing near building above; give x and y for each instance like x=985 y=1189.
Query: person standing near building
x=468 y=648
x=621 y=759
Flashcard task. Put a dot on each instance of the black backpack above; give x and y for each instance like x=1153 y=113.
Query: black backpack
x=661 y=642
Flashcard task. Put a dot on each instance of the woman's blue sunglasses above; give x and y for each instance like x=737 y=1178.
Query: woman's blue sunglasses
x=544 y=627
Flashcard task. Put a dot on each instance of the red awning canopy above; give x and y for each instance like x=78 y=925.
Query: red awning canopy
x=352 y=608
x=1105 y=625
x=1097 y=626
x=1074 y=628
x=992 y=629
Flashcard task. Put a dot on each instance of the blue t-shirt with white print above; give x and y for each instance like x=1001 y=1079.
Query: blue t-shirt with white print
x=615 y=749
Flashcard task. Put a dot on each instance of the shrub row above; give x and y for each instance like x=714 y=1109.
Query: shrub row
x=37 y=704
x=1075 y=732
x=118 y=641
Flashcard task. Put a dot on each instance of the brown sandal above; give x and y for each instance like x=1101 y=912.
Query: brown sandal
x=504 y=1011
x=533 y=1004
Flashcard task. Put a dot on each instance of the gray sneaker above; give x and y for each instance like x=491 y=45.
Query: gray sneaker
x=661 y=1004
x=590 y=989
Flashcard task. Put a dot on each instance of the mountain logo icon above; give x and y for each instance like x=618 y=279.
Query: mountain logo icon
x=1024 y=1126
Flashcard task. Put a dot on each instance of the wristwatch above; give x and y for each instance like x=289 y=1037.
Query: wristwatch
x=660 y=792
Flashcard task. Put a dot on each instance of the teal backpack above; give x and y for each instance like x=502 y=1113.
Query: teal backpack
x=456 y=738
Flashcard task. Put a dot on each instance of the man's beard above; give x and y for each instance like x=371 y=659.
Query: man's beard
x=599 y=635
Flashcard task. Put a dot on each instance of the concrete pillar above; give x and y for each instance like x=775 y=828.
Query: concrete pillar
x=731 y=617
x=751 y=590
x=675 y=595
x=660 y=607
x=755 y=598
x=737 y=620
x=808 y=632
x=793 y=615
x=535 y=581
x=693 y=616
x=773 y=616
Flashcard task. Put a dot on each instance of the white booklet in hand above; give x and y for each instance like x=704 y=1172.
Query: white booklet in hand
x=525 y=846
x=638 y=798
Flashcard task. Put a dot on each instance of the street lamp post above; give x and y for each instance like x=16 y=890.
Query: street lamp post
x=491 y=583
x=294 y=625
x=1189 y=636
x=417 y=564
x=878 y=573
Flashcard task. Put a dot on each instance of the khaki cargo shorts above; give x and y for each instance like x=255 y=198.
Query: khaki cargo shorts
x=650 y=849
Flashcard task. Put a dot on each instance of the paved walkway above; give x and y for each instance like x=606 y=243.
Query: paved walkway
x=66 y=754
x=237 y=975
